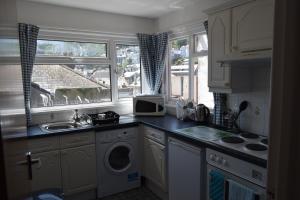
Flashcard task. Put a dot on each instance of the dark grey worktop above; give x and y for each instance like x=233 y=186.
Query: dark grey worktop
x=167 y=123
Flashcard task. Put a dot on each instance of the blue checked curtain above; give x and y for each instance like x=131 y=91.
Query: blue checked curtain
x=205 y=23
x=153 y=50
x=219 y=99
x=28 y=42
x=219 y=109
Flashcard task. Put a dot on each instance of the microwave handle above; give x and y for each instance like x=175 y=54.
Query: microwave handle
x=256 y=196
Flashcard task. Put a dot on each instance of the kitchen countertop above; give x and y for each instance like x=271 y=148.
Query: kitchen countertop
x=167 y=123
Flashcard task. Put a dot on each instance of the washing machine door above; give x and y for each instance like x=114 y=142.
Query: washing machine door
x=119 y=158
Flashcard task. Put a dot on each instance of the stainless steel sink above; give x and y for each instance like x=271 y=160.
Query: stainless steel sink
x=57 y=126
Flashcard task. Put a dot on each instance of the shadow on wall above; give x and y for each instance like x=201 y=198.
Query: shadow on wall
x=256 y=117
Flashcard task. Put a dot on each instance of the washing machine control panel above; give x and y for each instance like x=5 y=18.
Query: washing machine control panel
x=117 y=134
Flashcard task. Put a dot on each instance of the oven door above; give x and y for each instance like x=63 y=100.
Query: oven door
x=260 y=192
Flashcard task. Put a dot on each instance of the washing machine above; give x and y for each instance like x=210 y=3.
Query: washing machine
x=117 y=161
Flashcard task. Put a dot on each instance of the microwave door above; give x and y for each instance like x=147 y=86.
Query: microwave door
x=145 y=107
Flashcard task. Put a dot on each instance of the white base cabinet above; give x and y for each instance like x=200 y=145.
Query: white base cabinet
x=47 y=172
x=154 y=162
x=78 y=169
x=67 y=162
x=154 y=158
x=185 y=171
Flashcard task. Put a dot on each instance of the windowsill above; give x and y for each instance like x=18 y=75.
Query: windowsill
x=79 y=107
x=170 y=105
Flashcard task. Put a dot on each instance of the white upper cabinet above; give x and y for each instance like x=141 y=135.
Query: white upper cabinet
x=252 y=26
x=240 y=34
x=219 y=42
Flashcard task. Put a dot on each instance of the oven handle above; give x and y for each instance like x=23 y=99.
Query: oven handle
x=256 y=196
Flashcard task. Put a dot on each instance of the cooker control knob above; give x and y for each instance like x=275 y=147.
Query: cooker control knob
x=218 y=159
x=224 y=162
x=212 y=157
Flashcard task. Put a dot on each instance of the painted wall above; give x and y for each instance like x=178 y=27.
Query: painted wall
x=255 y=118
x=8 y=12
x=62 y=17
x=181 y=17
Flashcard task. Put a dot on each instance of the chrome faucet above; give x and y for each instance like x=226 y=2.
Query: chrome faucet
x=76 y=117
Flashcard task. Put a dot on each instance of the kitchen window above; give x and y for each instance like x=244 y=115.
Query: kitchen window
x=71 y=49
x=179 y=68
x=128 y=70
x=70 y=73
x=188 y=69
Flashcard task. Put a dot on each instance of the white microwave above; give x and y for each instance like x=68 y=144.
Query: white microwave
x=149 y=105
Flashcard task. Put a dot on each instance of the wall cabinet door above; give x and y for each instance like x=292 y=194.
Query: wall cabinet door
x=219 y=42
x=79 y=169
x=252 y=26
x=154 y=163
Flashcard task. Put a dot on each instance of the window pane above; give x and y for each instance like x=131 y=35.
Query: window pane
x=71 y=49
x=201 y=91
x=58 y=85
x=201 y=42
x=9 y=47
x=128 y=67
x=179 y=68
x=11 y=87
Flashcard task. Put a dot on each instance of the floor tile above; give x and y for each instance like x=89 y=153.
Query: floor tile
x=135 y=194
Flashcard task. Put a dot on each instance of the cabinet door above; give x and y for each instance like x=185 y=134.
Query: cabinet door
x=184 y=171
x=252 y=26
x=154 y=162
x=79 y=169
x=17 y=177
x=46 y=172
x=219 y=40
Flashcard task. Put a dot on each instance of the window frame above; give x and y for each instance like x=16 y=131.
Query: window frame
x=192 y=56
x=129 y=43
x=111 y=41
x=169 y=85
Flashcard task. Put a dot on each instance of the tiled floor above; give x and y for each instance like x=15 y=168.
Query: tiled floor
x=135 y=194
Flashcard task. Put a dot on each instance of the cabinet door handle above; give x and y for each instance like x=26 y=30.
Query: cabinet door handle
x=29 y=165
x=234 y=48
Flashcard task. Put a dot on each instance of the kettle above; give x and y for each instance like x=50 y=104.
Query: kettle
x=202 y=113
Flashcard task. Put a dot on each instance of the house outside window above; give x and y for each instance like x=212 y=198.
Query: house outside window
x=188 y=69
x=128 y=70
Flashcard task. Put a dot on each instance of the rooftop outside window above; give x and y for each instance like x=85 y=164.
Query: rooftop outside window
x=61 y=85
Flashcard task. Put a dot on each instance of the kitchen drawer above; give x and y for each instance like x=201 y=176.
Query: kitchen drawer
x=77 y=139
x=35 y=145
x=155 y=134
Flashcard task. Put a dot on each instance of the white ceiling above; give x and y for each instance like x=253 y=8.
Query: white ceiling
x=141 y=8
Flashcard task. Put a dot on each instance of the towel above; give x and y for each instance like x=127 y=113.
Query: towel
x=216 y=185
x=237 y=191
